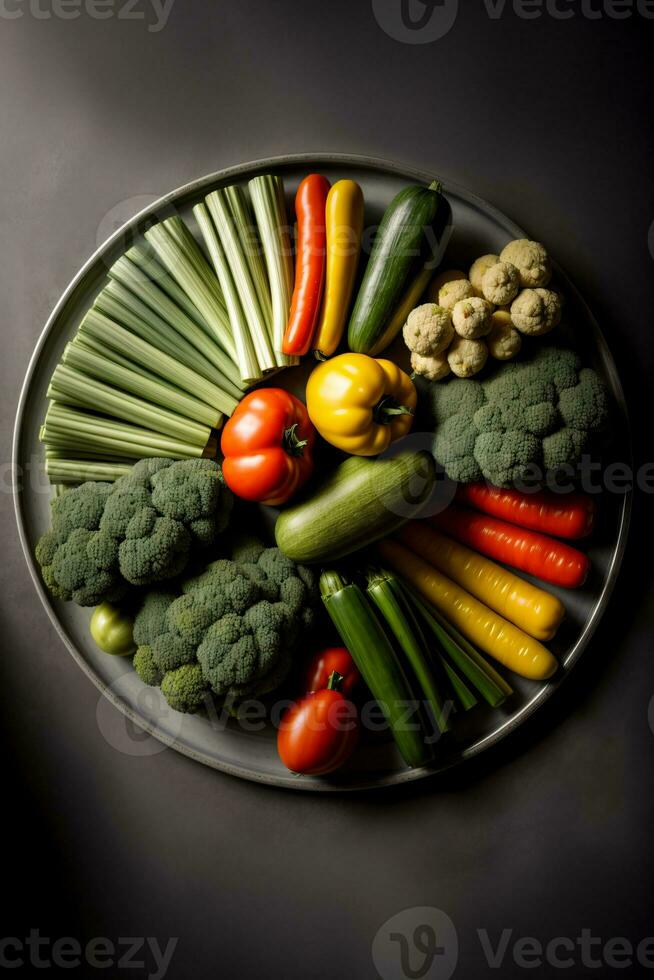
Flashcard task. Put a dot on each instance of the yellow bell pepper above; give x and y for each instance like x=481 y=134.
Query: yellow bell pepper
x=360 y=404
x=344 y=227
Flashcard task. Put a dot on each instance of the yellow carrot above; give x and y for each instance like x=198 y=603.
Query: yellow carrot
x=534 y=610
x=484 y=628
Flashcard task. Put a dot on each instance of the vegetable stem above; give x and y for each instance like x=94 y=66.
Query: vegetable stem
x=181 y=256
x=156 y=391
x=335 y=681
x=113 y=335
x=130 y=293
x=246 y=356
x=227 y=227
x=268 y=201
x=293 y=445
x=67 y=471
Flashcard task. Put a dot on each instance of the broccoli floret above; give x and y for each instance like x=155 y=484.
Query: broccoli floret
x=152 y=617
x=140 y=530
x=237 y=623
x=146 y=668
x=541 y=413
x=185 y=689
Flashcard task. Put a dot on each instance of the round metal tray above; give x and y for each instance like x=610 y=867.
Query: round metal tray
x=479 y=228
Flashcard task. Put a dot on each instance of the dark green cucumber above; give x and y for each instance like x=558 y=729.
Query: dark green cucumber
x=413 y=232
x=378 y=664
x=388 y=596
x=361 y=501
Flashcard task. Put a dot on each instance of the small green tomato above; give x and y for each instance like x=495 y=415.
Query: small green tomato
x=111 y=629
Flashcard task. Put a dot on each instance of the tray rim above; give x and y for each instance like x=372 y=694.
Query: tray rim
x=180 y=195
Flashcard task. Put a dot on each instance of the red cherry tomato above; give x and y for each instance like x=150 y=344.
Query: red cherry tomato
x=325 y=661
x=318 y=733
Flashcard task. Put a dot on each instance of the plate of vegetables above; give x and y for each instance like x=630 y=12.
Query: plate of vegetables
x=309 y=435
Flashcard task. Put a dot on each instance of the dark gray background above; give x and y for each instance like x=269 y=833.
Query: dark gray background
x=551 y=121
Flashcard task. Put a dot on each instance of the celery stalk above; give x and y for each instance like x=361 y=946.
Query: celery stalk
x=131 y=299
x=246 y=230
x=143 y=257
x=158 y=392
x=65 y=471
x=71 y=387
x=65 y=427
x=268 y=201
x=225 y=224
x=97 y=325
x=246 y=355
x=189 y=268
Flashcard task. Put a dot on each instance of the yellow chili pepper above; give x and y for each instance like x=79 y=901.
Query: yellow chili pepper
x=360 y=404
x=344 y=227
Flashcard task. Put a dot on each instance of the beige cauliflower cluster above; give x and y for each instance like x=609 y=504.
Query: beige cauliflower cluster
x=484 y=313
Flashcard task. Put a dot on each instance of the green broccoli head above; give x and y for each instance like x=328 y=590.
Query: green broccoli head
x=185 y=688
x=146 y=668
x=78 y=562
x=540 y=413
x=238 y=622
x=140 y=530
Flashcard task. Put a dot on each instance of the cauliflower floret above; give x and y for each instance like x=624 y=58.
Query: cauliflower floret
x=466 y=357
x=453 y=292
x=433 y=368
x=501 y=283
x=471 y=317
x=428 y=329
x=437 y=283
x=504 y=341
x=532 y=261
x=478 y=269
x=536 y=311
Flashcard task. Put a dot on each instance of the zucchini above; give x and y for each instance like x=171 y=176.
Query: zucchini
x=373 y=653
x=413 y=233
x=361 y=501
x=388 y=596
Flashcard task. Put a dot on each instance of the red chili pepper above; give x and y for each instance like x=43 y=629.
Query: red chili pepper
x=571 y=516
x=310 y=204
x=546 y=559
x=267 y=446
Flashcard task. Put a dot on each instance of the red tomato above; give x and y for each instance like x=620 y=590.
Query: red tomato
x=318 y=734
x=267 y=445
x=324 y=662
